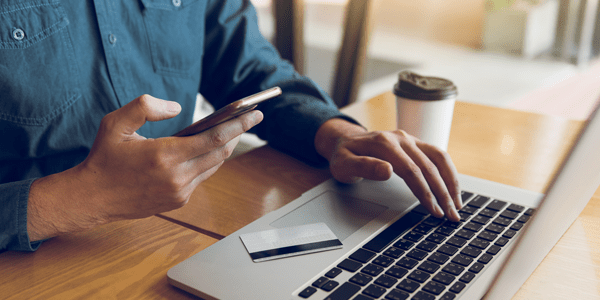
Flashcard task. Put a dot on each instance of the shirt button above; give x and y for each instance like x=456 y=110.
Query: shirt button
x=177 y=3
x=112 y=38
x=18 y=34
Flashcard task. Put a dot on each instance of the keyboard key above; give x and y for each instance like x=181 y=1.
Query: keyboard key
x=448 y=296
x=516 y=208
x=485 y=258
x=362 y=297
x=393 y=252
x=465 y=196
x=396 y=271
x=413 y=236
x=456 y=241
x=407 y=262
x=307 y=292
x=479 y=201
x=493 y=250
x=462 y=260
x=444 y=278
x=481 y=219
x=496 y=205
x=423 y=296
x=529 y=211
x=372 y=270
x=330 y=285
x=427 y=246
x=433 y=221
x=479 y=243
x=374 y=291
x=417 y=254
x=419 y=276
x=463 y=217
x=333 y=273
x=523 y=218
x=439 y=258
x=448 y=249
x=471 y=251
x=434 y=288
x=517 y=226
x=408 y=285
x=509 y=234
x=453 y=269
x=497 y=229
x=501 y=241
x=403 y=244
x=473 y=226
x=386 y=281
x=320 y=282
x=344 y=292
x=467 y=277
x=476 y=267
x=445 y=230
x=455 y=225
x=465 y=234
x=457 y=287
x=361 y=279
x=350 y=265
x=488 y=213
x=397 y=295
x=429 y=267
x=436 y=238
x=488 y=236
x=423 y=229
x=383 y=261
x=502 y=221
x=509 y=214
x=468 y=209
x=383 y=239
x=362 y=255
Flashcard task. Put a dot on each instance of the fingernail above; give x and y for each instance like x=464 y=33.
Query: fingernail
x=438 y=210
x=172 y=106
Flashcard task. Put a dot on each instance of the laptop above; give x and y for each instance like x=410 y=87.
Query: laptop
x=386 y=245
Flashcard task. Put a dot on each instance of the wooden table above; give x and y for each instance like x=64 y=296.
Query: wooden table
x=129 y=260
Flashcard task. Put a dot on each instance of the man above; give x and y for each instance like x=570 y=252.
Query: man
x=81 y=147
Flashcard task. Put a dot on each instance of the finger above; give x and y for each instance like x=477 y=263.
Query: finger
x=196 y=145
x=446 y=168
x=349 y=168
x=129 y=118
x=434 y=179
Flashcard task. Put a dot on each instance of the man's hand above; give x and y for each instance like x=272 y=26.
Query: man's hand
x=127 y=176
x=354 y=153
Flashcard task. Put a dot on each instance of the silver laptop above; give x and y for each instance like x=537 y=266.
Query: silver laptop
x=392 y=249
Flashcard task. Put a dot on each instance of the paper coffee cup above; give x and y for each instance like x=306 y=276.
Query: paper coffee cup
x=425 y=106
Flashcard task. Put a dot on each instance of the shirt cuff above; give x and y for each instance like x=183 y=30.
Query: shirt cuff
x=14 y=197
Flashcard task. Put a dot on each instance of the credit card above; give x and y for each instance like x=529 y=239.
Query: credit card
x=290 y=241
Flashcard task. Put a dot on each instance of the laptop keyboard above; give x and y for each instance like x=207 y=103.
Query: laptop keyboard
x=423 y=257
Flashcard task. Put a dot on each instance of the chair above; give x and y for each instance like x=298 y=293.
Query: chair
x=352 y=55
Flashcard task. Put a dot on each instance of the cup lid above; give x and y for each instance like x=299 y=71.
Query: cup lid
x=413 y=86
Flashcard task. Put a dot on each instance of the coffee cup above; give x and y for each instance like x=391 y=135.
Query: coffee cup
x=425 y=106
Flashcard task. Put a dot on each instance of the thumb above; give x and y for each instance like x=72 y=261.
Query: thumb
x=134 y=114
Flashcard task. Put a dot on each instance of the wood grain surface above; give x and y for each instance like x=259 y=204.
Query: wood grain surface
x=122 y=260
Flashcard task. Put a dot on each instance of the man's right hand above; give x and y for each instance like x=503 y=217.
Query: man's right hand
x=127 y=176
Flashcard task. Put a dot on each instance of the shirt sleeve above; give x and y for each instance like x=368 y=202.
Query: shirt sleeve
x=239 y=61
x=13 y=217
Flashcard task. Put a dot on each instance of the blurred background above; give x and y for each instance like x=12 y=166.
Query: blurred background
x=533 y=55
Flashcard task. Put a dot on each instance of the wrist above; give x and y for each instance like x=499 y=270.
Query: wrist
x=331 y=132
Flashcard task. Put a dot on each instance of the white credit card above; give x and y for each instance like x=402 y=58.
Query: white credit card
x=289 y=241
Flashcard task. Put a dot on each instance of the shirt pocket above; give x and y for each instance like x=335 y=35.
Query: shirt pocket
x=175 y=30
x=37 y=69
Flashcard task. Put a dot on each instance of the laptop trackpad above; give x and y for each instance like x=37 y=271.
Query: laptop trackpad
x=342 y=214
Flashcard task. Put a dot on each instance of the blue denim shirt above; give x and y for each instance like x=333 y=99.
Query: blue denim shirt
x=64 y=64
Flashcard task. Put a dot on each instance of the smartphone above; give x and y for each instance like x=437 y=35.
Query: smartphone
x=230 y=111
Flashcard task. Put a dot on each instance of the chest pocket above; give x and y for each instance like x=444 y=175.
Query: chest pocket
x=175 y=31
x=37 y=67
